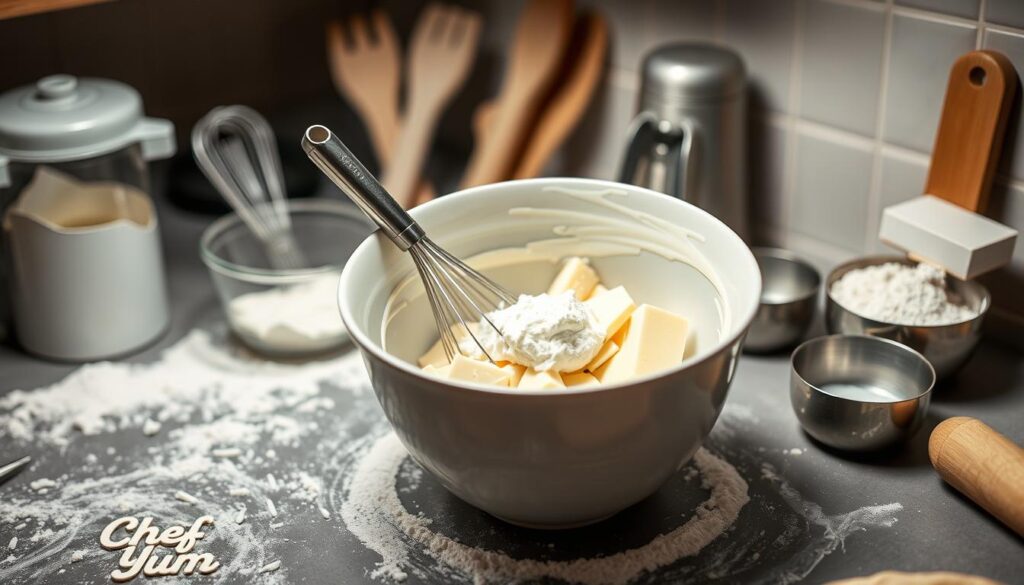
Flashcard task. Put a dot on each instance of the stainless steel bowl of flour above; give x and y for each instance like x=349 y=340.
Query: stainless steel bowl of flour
x=285 y=313
x=871 y=298
x=568 y=457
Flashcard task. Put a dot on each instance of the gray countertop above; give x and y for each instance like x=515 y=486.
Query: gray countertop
x=801 y=520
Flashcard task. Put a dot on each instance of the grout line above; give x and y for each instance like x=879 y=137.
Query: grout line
x=905 y=154
x=871 y=5
x=833 y=134
x=918 y=14
x=874 y=202
x=1006 y=30
x=980 y=42
x=790 y=162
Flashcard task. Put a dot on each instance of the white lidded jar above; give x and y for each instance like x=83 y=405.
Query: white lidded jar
x=83 y=268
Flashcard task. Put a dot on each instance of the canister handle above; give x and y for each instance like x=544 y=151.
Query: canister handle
x=5 y=173
x=156 y=137
x=686 y=178
x=641 y=135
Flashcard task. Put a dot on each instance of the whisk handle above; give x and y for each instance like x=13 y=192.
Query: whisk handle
x=336 y=161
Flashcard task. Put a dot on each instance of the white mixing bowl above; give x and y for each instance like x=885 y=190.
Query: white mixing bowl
x=560 y=458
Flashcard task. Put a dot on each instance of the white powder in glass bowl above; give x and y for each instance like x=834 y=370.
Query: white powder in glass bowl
x=299 y=318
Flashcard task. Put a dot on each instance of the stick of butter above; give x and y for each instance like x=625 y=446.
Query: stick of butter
x=435 y=356
x=515 y=374
x=576 y=276
x=440 y=372
x=611 y=309
x=579 y=379
x=534 y=380
x=476 y=371
x=607 y=350
x=654 y=340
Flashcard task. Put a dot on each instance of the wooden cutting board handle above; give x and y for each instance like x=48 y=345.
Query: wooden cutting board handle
x=983 y=464
x=982 y=85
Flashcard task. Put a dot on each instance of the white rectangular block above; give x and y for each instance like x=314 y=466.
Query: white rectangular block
x=965 y=244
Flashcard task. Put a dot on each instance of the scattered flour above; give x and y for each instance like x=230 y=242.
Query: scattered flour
x=42 y=484
x=77 y=556
x=298 y=318
x=270 y=567
x=150 y=427
x=372 y=511
x=901 y=294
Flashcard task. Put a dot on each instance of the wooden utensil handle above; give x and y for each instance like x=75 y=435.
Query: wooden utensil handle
x=981 y=88
x=983 y=464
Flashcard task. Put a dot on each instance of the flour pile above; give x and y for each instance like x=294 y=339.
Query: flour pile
x=299 y=318
x=372 y=508
x=901 y=294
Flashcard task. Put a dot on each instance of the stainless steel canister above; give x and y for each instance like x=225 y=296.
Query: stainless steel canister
x=689 y=138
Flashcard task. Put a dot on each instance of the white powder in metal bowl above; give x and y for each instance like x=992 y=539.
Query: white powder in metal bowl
x=901 y=294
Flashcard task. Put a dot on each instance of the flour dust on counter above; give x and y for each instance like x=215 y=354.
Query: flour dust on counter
x=726 y=517
x=290 y=459
x=230 y=426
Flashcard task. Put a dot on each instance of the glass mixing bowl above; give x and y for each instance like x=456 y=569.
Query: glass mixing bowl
x=285 y=313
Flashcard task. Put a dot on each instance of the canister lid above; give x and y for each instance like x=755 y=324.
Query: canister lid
x=692 y=72
x=62 y=117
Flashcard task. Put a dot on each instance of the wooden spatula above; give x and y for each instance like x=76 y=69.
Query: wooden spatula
x=945 y=227
x=573 y=91
x=365 y=68
x=441 y=53
x=970 y=135
x=541 y=38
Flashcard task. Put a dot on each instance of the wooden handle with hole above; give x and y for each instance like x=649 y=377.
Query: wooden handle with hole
x=983 y=464
x=982 y=85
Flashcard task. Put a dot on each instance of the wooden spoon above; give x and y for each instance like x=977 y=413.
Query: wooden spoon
x=572 y=94
x=541 y=38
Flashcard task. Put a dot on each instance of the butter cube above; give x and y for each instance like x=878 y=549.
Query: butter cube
x=576 y=275
x=435 y=356
x=534 y=380
x=515 y=374
x=611 y=309
x=607 y=350
x=654 y=339
x=440 y=372
x=480 y=372
x=579 y=379
x=598 y=290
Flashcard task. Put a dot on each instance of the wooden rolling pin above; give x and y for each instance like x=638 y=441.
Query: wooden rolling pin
x=899 y=578
x=983 y=464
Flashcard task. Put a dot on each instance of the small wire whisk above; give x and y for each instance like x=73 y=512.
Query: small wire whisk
x=235 y=148
x=458 y=295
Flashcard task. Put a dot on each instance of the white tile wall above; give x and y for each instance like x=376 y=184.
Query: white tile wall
x=922 y=52
x=846 y=99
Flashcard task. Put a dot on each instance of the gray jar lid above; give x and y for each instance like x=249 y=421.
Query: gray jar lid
x=688 y=72
x=63 y=118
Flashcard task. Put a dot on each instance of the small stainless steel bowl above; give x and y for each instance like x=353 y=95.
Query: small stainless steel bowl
x=856 y=392
x=947 y=347
x=789 y=293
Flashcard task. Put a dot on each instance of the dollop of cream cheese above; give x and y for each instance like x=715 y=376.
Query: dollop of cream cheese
x=544 y=332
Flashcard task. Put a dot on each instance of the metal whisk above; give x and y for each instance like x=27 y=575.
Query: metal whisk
x=457 y=293
x=235 y=148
